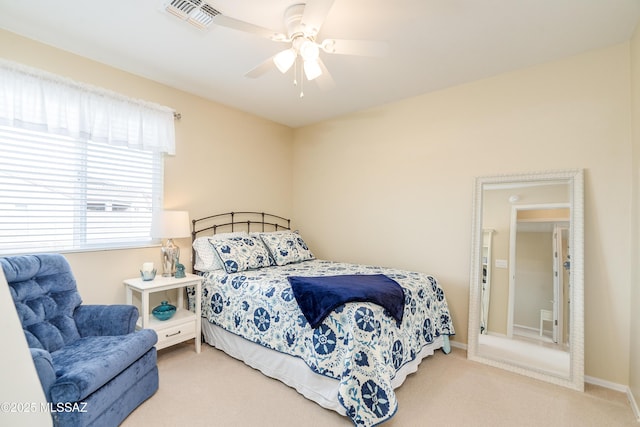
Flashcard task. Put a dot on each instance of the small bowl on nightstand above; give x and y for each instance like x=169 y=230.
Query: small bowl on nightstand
x=164 y=311
x=148 y=275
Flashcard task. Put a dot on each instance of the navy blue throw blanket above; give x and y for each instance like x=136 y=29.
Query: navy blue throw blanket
x=318 y=296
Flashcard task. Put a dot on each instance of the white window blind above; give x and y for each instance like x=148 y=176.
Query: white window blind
x=59 y=193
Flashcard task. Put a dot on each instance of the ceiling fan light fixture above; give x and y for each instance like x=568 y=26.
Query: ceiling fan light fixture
x=284 y=60
x=312 y=69
x=309 y=51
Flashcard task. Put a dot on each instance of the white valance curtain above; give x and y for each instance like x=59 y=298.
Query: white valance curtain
x=37 y=100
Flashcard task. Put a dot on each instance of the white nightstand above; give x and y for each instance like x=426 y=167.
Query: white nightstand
x=183 y=325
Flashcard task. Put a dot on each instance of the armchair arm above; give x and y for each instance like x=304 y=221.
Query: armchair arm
x=44 y=367
x=96 y=320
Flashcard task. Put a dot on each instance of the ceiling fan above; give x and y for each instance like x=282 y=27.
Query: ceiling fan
x=303 y=23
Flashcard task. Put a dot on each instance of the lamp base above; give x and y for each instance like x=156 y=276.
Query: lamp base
x=170 y=256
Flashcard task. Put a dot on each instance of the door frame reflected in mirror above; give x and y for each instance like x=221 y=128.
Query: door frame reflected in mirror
x=540 y=215
x=574 y=179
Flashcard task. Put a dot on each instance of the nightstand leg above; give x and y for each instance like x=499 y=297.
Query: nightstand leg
x=198 y=316
x=145 y=309
x=129 y=295
x=181 y=292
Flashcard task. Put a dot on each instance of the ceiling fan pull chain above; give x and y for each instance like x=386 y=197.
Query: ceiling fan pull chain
x=295 y=78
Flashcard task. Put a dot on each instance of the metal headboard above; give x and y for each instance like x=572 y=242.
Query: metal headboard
x=234 y=221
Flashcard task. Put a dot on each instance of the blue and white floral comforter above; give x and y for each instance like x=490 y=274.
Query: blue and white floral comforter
x=358 y=344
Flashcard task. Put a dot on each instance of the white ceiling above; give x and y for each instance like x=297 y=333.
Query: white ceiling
x=433 y=44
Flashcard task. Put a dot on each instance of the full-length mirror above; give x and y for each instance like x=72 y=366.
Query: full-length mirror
x=526 y=306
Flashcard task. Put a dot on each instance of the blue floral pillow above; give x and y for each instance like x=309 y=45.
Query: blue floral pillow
x=206 y=257
x=286 y=247
x=241 y=253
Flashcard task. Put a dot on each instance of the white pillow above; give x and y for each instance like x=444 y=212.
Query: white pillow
x=206 y=257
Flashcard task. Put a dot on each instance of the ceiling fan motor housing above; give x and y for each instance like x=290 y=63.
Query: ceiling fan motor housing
x=293 y=20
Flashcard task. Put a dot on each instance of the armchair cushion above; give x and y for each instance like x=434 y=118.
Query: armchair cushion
x=90 y=362
x=106 y=319
x=44 y=292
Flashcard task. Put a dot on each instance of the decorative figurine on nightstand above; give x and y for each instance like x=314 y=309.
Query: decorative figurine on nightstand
x=179 y=271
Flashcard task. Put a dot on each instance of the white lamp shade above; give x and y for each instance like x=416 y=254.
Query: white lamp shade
x=284 y=60
x=171 y=225
x=312 y=69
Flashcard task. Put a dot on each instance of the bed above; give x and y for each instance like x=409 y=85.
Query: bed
x=347 y=353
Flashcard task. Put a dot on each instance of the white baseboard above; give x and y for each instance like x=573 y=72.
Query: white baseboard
x=634 y=404
x=591 y=380
x=617 y=387
x=530 y=329
x=458 y=344
x=606 y=384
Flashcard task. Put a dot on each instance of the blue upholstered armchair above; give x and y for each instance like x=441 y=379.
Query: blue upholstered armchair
x=85 y=354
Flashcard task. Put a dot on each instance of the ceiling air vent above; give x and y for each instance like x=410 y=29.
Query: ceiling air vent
x=195 y=12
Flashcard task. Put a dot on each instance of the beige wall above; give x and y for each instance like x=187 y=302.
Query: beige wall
x=225 y=160
x=534 y=278
x=17 y=370
x=634 y=357
x=393 y=185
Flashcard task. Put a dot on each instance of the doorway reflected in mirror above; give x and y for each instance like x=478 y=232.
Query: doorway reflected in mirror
x=525 y=300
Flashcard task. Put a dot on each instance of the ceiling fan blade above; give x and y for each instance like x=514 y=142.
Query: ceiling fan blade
x=236 y=24
x=314 y=15
x=356 y=47
x=261 y=69
x=324 y=81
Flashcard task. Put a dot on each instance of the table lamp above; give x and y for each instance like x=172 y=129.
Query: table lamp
x=171 y=225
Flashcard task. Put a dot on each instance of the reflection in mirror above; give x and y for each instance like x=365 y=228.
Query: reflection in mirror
x=526 y=294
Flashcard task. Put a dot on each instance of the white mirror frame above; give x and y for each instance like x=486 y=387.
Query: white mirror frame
x=575 y=179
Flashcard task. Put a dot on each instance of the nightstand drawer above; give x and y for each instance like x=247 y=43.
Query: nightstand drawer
x=175 y=334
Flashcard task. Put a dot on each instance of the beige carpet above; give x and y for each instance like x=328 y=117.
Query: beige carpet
x=212 y=389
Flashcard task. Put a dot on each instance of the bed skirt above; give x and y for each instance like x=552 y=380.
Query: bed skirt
x=294 y=372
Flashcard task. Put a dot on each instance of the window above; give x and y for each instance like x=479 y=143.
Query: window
x=59 y=193
x=80 y=167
